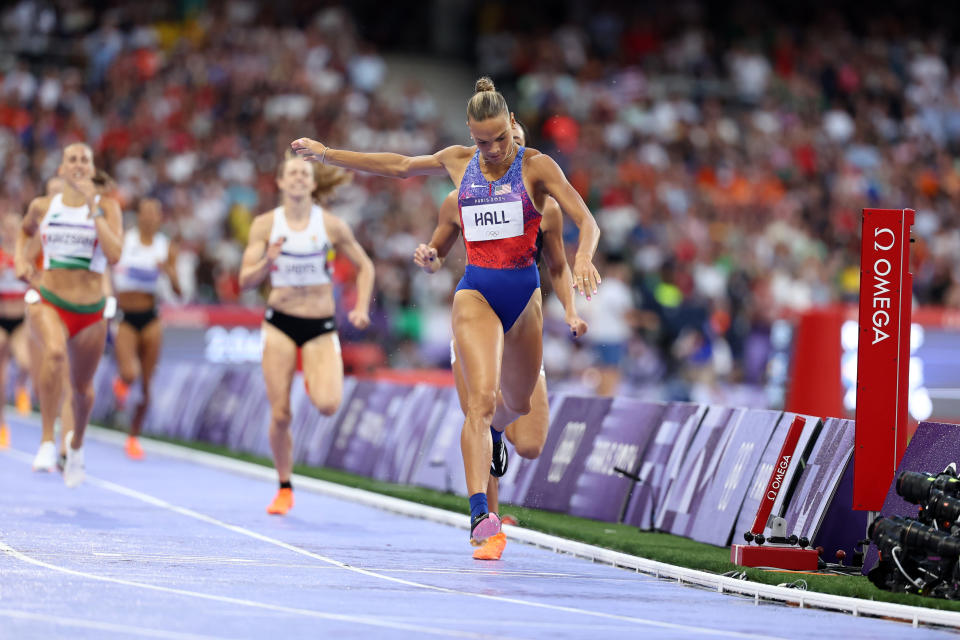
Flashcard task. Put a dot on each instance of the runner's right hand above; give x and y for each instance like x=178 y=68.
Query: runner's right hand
x=308 y=149
x=273 y=251
x=427 y=258
x=25 y=270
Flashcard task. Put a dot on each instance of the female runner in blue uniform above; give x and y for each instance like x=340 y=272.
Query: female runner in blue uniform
x=527 y=433
x=497 y=315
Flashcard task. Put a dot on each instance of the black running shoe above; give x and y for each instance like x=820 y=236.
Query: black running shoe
x=498 y=466
x=482 y=527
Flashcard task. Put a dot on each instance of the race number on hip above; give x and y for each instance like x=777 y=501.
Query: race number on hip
x=492 y=218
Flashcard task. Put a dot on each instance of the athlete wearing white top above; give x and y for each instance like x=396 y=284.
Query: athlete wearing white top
x=80 y=233
x=291 y=245
x=140 y=264
x=69 y=238
x=304 y=258
x=146 y=254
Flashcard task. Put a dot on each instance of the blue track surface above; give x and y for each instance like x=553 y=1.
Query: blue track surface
x=170 y=549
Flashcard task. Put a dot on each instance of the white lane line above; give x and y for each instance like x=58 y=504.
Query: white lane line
x=127 y=630
x=364 y=620
x=158 y=502
x=666 y=573
x=517 y=573
x=163 y=504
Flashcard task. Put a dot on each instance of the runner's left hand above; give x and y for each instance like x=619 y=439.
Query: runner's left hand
x=578 y=326
x=359 y=319
x=586 y=278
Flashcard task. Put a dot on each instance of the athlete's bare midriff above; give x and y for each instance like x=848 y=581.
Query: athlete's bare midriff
x=74 y=285
x=315 y=301
x=135 y=301
x=12 y=307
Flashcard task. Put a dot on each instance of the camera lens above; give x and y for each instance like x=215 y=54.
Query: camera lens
x=943 y=508
x=914 y=486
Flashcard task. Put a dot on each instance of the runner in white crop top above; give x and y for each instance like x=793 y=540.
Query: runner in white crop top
x=81 y=232
x=304 y=260
x=292 y=245
x=147 y=254
x=69 y=238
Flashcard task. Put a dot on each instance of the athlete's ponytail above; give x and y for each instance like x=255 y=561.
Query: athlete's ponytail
x=327 y=179
x=487 y=102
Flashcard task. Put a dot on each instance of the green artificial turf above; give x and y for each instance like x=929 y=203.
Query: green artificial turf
x=662 y=547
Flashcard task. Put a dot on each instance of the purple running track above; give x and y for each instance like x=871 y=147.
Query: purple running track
x=167 y=548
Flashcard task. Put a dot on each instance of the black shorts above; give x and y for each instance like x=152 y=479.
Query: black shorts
x=10 y=324
x=139 y=319
x=300 y=330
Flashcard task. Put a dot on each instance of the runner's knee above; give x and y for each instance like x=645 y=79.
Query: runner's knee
x=528 y=449
x=481 y=406
x=519 y=406
x=84 y=396
x=54 y=364
x=129 y=373
x=279 y=418
x=326 y=406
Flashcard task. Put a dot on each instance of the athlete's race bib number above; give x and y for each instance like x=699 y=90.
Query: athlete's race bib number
x=492 y=218
x=76 y=241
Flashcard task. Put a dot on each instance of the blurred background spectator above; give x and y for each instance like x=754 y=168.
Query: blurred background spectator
x=726 y=150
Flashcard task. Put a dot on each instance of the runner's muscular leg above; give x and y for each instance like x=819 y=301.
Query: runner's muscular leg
x=126 y=347
x=522 y=355
x=479 y=343
x=323 y=371
x=528 y=433
x=49 y=339
x=20 y=348
x=279 y=363
x=148 y=354
x=85 y=350
x=5 y=347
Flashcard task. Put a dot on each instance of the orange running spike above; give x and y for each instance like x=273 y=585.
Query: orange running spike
x=133 y=448
x=4 y=436
x=23 y=403
x=120 y=391
x=492 y=549
x=282 y=502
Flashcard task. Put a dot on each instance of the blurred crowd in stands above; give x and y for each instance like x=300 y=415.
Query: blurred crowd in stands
x=726 y=161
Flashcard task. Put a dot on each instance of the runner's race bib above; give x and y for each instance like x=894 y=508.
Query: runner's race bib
x=492 y=217
x=76 y=240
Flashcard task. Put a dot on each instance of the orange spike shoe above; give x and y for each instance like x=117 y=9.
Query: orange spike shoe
x=22 y=401
x=282 y=502
x=4 y=436
x=492 y=549
x=133 y=449
x=120 y=392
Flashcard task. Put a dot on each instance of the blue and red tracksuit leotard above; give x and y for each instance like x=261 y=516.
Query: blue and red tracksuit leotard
x=500 y=226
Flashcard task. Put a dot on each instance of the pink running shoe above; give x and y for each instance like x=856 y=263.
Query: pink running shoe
x=482 y=527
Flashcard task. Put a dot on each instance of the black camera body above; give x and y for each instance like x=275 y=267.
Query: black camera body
x=921 y=555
